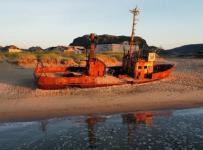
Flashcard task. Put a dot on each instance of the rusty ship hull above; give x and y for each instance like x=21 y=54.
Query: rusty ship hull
x=58 y=78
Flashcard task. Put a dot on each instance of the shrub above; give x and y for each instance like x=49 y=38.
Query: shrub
x=50 y=58
x=67 y=54
x=11 y=55
x=117 y=55
x=1 y=57
x=38 y=54
x=69 y=62
x=26 y=58
x=76 y=57
x=109 y=61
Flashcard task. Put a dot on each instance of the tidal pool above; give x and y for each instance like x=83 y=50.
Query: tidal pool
x=169 y=129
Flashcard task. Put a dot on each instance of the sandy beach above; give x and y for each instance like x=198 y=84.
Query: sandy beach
x=21 y=100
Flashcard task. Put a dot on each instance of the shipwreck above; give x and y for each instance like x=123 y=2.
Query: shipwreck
x=135 y=69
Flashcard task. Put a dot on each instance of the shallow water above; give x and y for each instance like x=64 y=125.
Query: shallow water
x=174 y=129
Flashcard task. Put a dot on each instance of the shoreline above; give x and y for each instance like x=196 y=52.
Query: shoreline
x=61 y=106
x=20 y=100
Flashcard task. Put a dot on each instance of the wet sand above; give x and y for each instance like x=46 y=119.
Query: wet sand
x=20 y=100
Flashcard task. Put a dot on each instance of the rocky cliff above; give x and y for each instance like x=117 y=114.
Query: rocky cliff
x=107 y=39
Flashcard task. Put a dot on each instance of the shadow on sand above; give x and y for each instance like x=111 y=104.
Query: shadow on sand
x=14 y=75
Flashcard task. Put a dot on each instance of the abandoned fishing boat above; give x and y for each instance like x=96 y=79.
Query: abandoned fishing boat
x=136 y=69
x=93 y=75
x=139 y=67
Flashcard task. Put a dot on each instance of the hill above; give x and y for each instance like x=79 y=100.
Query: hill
x=193 y=50
x=107 y=39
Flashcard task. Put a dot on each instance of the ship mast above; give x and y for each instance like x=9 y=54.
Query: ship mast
x=135 y=13
x=128 y=60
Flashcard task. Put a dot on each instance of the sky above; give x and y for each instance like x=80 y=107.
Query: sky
x=45 y=23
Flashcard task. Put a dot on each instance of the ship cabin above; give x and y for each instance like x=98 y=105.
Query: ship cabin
x=144 y=69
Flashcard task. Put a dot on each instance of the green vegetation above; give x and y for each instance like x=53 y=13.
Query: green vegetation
x=117 y=55
x=75 y=57
x=55 y=57
x=1 y=57
x=11 y=55
x=50 y=58
x=41 y=54
x=26 y=58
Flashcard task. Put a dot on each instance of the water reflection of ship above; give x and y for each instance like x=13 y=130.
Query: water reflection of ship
x=44 y=125
x=138 y=118
x=146 y=118
x=132 y=119
x=91 y=122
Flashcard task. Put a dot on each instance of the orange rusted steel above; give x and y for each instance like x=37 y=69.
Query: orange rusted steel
x=57 y=77
x=60 y=77
x=163 y=71
x=51 y=69
x=45 y=82
x=139 y=73
x=39 y=71
x=92 y=46
x=96 y=68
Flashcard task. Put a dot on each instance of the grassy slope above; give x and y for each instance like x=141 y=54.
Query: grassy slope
x=54 y=57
